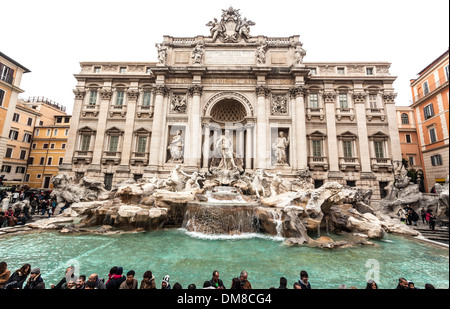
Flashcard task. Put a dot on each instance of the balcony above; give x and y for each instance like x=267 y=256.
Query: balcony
x=111 y=156
x=381 y=164
x=90 y=109
x=345 y=112
x=431 y=89
x=144 y=111
x=318 y=163
x=349 y=164
x=118 y=110
x=82 y=156
x=314 y=112
x=139 y=157
x=375 y=113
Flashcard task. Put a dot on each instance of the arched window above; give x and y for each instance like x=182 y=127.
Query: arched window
x=405 y=118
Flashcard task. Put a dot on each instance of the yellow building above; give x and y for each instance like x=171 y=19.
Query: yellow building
x=47 y=151
x=10 y=77
x=18 y=144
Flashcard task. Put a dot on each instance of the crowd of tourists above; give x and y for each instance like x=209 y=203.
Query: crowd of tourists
x=18 y=207
x=31 y=279
x=410 y=217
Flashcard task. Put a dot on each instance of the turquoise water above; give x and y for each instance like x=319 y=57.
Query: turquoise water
x=190 y=259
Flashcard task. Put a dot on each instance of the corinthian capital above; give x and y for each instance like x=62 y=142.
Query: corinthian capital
x=262 y=91
x=133 y=94
x=162 y=90
x=297 y=91
x=329 y=97
x=79 y=94
x=359 y=97
x=389 y=97
x=195 y=90
x=105 y=94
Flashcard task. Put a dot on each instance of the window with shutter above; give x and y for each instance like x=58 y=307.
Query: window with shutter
x=317 y=148
x=348 y=149
x=379 y=150
x=113 y=143
x=120 y=97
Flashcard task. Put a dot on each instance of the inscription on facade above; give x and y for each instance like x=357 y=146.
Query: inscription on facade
x=232 y=57
x=233 y=81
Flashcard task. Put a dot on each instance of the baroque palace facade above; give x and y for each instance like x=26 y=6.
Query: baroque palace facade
x=133 y=120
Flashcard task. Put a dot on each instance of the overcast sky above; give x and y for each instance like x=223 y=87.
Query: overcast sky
x=52 y=37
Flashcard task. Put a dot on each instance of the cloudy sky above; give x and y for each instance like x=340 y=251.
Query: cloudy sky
x=51 y=37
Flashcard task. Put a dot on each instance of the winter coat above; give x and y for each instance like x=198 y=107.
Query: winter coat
x=36 y=284
x=304 y=286
x=219 y=284
x=114 y=283
x=246 y=286
x=126 y=286
x=16 y=280
x=4 y=277
x=150 y=285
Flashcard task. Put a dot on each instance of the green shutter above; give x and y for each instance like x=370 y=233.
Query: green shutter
x=317 y=148
x=348 y=151
x=147 y=97
x=85 y=142
x=379 y=151
x=142 y=143
x=113 y=143
x=93 y=98
x=120 y=97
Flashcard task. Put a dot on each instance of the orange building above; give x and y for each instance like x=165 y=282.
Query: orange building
x=431 y=106
x=409 y=140
x=10 y=77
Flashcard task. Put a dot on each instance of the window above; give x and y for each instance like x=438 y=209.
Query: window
x=41 y=123
x=27 y=178
x=52 y=146
x=63 y=146
x=97 y=69
x=428 y=111
x=93 y=98
x=426 y=88
x=16 y=117
x=55 y=132
x=379 y=150
x=411 y=160
x=341 y=71
x=38 y=176
x=113 y=143
x=436 y=160
x=49 y=132
x=123 y=70
x=408 y=138
x=2 y=95
x=445 y=70
x=20 y=170
x=23 y=154
x=432 y=132
x=405 y=118
x=85 y=142
x=351 y=183
x=6 y=73
x=58 y=119
x=373 y=101
x=49 y=161
x=317 y=148
x=45 y=146
x=313 y=100
x=8 y=153
x=13 y=135
x=142 y=144
x=30 y=160
x=313 y=71
x=343 y=101
x=348 y=149
x=61 y=159
x=30 y=121
x=66 y=119
x=6 y=168
x=34 y=146
x=120 y=97
x=147 y=98
x=36 y=133
x=369 y=71
x=42 y=161
x=66 y=133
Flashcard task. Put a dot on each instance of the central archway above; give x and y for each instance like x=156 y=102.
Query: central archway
x=228 y=111
x=228 y=96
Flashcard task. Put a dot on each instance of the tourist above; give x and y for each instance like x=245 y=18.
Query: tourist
x=414 y=217
x=18 y=277
x=297 y=286
x=53 y=207
x=341 y=286
x=402 y=214
x=17 y=210
x=409 y=217
x=411 y=286
x=4 y=274
x=165 y=283
x=192 y=286
x=216 y=282
x=130 y=283
x=26 y=210
x=15 y=197
x=283 y=284
x=112 y=274
x=402 y=284
x=63 y=282
x=429 y=287
x=432 y=219
x=35 y=282
x=81 y=282
x=95 y=282
x=71 y=285
x=207 y=285
x=235 y=284
x=423 y=214
x=177 y=286
x=3 y=221
x=90 y=285
x=115 y=282
x=245 y=284
x=21 y=220
x=9 y=216
x=148 y=282
x=371 y=285
x=304 y=280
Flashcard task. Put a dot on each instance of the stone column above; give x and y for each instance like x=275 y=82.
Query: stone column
x=333 y=150
x=389 y=103
x=74 y=126
x=262 y=154
x=300 y=160
x=206 y=146
x=195 y=131
x=157 y=130
x=249 y=147
x=361 y=120
x=241 y=143
x=105 y=101
x=132 y=97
